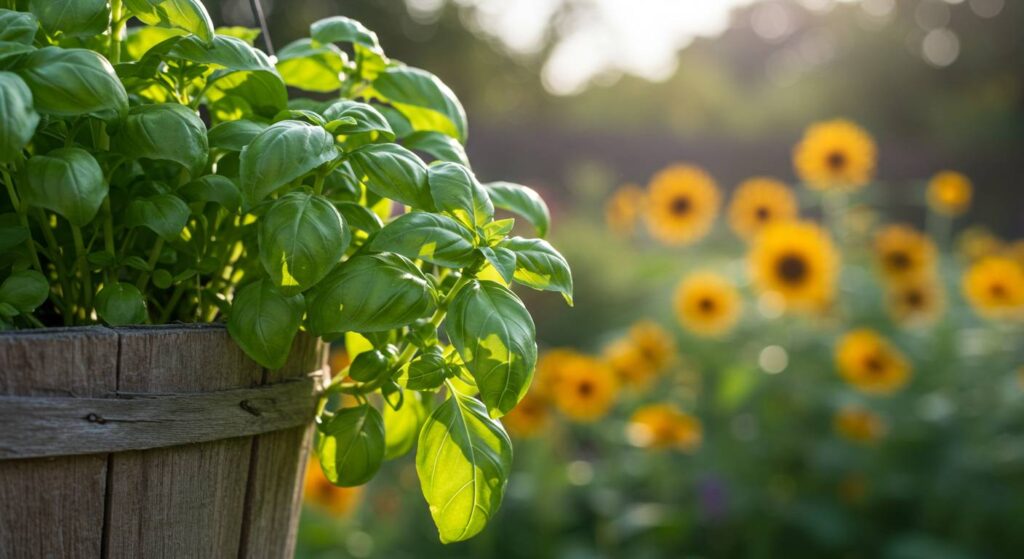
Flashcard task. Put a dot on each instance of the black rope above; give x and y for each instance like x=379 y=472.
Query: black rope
x=257 y=12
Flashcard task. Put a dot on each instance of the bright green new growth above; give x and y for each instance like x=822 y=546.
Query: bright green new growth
x=124 y=204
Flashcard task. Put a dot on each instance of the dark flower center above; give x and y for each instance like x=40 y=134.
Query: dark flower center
x=836 y=160
x=680 y=205
x=914 y=298
x=874 y=365
x=898 y=260
x=997 y=290
x=585 y=388
x=706 y=305
x=792 y=268
x=762 y=213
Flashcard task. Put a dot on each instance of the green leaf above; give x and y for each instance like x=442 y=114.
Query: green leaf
x=12 y=232
x=370 y=293
x=255 y=92
x=521 y=200
x=437 y=145
x=222 y=51
x=391 y=171
x=164 y=214
x=360 y=217
x=540 y=266
x=302 y=237
x=463 y=461
x=340 y=29
x=213 y=188
x=264 y=322
x=187 y=15
x=496 y=338
x=367 y=119
x=68 y=181
x=368 y=366
x=74 y=18
x=120 y=304
x=311 y=67
x=503 y=260
x=456 y=191
x=428 y=370
x=167 y=132
x=18 y=119
x=435 y=238
x=234 y=135
x=351 y=445
x=141 y=39
x=402 y=426
x=495 y=231
x=25 y=290
x=283 y=152
x=17 y=27
x=72 y=82
x=426 y=101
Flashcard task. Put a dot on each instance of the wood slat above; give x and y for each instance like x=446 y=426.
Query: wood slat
x=54 y=507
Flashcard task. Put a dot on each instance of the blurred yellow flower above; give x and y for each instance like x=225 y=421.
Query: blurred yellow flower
x=995 y=288
x=338 y=359
x=530 y=417
x=655 y=344
x=707 y=304
x=662 y=426
x=859 y=425
x=1015 y=252
x=798 y=262
x=977 y=242
x=918 y=302
x=549 y=368
x=585 y=390
x=835 y=154
x=623 y=209
x=870 y=363
x=329 y=498
x=629 y=364
x=949 y=193
x=682 y=203
x=904 y=253
x=759 y=202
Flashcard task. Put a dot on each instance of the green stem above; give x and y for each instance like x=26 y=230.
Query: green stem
x=22 y=216
x=318 y=183
x=117 y=23
x=154 y=255
x=179 y=290
x=58 y=262
x=83 y=268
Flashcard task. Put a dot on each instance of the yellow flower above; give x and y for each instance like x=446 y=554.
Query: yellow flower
x=585 y=389
x=835 y=154
x=796 y=261
x=917 y=302
x=949 y=193
x=977 y=242
x=549 y=368
x=662 y=426
x=322 y=494
x=627 y=361
x=530 y=417
x=859 y=425
x=655 y=344
x=995 y=288
x=1015 y=252
x=759 y=202
x=903 y=253
x=870 y=363
x=622 y=210
x=682 y=203
x=707 y=304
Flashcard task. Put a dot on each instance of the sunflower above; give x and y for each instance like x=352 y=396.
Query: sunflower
x=797 y=261
x=629 y=364
x=835 y=154
x=530 y=416
x=682 y=203
x=758 y=202
x=585 y=389
x=977 y=242
x=707 y=304
x=324 y=495
x=859 y=425
x=904 y=253
x=549 y=367
x=655 y=344
x=622 y=210
x=917 y=302
x=1015 y=251
x=995 y=288
x=949 y=193
x=662 y=426
x=870 y=363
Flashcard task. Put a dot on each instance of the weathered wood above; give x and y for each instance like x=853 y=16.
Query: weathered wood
x=49 y=426
x=54 y=508
x=279 y=465
x=182 y=501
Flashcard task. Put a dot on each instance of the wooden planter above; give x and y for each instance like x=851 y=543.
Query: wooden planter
x=151 y=442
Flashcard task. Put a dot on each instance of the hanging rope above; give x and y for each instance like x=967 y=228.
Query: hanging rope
x=257 y=12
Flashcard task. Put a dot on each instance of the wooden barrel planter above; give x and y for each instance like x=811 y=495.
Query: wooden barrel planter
x=151 y=442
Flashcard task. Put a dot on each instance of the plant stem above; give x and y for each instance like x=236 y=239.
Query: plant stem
x=117 y=23
x=154 y=255
x=22 y=216
x=58 y=262
x=83 y=268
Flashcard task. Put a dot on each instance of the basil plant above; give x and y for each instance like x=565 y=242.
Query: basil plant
x=160 y=172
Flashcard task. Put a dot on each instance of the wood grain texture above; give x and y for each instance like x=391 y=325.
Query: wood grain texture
x=54 y=507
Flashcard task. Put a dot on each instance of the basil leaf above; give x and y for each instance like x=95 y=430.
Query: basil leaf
x=340 y=29
x=187 y=15
x=12 y=232
x=283 y=152
x=301 y=237
x=367 y=119
x=25 y=290
x=521 y=200
x=18 y=119
x=494 y=334
x=435 y=238
x=391 y=171
x=540 y=266
x=311 y=67
x=370 y=293
x=456 y=191
x=234 y=135
x=503 y=260
x=427 y=371
x=213 y=188
x=222 y=51
x=351 y=445
x=72 y=82
x=167 y=132
x=68 y=181
x=438 y=146
x=402 y=426
x=120 y=304
x=17 y=27
x=264 y=322
x=426 y=101
x=164 y=214
x=360 y=217
x=74 y=18
x=463 y=460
